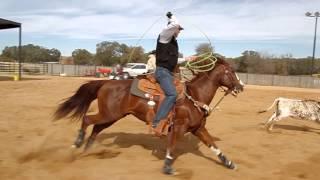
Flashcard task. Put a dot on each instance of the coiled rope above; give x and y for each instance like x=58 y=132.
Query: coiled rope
x=203 y=63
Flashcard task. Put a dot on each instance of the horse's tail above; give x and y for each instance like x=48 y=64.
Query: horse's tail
x=276 y=101
x=79 y=103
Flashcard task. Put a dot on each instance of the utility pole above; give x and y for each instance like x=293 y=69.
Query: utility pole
x=316 y=15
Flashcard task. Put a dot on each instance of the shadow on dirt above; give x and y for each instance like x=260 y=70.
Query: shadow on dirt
x=297 y=128
x=187 y=144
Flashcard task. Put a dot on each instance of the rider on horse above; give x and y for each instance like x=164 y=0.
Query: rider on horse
x=167 y=52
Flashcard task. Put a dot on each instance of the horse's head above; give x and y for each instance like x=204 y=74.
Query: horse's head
x=228 y=77
x=218 y=71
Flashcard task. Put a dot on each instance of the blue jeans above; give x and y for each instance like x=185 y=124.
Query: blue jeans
x=165 y=79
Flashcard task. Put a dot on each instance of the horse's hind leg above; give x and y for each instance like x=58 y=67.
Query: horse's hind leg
x=207 y=139
x=86 y=121
x=97 y=128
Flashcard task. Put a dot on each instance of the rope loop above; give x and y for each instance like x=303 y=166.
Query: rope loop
x=203 y=63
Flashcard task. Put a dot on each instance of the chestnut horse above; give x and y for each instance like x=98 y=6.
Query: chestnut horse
x=115 y=102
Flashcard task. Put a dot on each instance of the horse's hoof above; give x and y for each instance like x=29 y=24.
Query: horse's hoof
x=89 y=143
x=78 y=143
x=168 y=170
x=226 y=162
x=232 y=166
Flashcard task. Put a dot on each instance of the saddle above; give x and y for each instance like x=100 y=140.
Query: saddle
x=147 y=88
x=149 y=85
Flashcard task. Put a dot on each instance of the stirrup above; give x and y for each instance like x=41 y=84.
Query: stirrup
x=161 y=128
x=156 y=132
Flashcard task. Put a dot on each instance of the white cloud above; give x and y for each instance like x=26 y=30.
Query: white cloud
x=235 y=19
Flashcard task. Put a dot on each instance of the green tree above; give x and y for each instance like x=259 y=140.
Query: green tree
x=10 y=53
x=82 y=56
x=32 y=53
x=249 y=62
x=109 y=53
x=134 y=55
x=54 y=55
x=204 y=48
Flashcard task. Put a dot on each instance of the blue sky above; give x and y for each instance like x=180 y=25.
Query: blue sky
x=272 y=27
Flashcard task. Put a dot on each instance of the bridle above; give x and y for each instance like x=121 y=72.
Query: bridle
x=228 y=74
x=234 y=91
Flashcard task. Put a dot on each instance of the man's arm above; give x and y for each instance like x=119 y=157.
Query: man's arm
x=169 y=30
x=189 y=58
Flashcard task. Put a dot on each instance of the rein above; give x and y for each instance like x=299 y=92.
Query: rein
x=203 y=106
x=215 y=106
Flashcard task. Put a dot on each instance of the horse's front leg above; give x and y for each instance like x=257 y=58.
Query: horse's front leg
x=171 y=143
x=207 y=139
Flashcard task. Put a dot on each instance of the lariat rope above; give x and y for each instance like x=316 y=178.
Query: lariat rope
x=196 y=65
x=141 y=37
x=156 y=21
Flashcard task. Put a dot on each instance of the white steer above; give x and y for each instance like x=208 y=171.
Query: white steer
x=299 y=109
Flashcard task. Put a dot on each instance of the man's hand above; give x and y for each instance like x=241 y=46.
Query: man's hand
x=169 y=15
x=191 y=58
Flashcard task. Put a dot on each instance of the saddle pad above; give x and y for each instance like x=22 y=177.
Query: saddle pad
x=134 y=90
x=150 y=87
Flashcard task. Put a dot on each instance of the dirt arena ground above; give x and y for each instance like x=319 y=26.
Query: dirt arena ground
x=33 y=147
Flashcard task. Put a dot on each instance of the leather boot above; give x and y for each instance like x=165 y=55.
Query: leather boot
x=160 y=130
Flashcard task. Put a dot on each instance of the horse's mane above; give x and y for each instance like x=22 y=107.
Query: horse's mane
x=219 y=60
x=222 y=61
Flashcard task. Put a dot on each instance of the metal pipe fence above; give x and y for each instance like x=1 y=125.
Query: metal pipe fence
x=274 y=80
x=277 y=80
x=7 y=68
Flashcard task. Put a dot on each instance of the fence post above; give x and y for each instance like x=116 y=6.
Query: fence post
x=247 y=81
x=300 y=85
x=74 y=70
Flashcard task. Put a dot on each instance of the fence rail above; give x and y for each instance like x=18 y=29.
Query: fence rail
x=277 y=80
x=274 y=80
x=9 y=68
x=27 y=68
x=86 y=70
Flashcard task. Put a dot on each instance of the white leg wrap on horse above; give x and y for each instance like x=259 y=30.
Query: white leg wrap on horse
x=168 y=156
x=216 y=151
